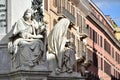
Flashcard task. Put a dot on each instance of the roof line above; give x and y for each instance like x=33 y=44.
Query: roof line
x=94 y=5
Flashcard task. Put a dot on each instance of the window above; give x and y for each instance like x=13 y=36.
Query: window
x=117 y=57
x=3 y=16
x=107 y=46
x=98 y=16
x=95 y=59
x=79 y=19
x=63 y=3
x=101 y=64
x=77 y=48
x=83 y=24
x=91 y=33
x=95 y=36
x=88 y=27
x=107 y=68
x=90 y=54
x=73 y=36
x=72 y=10
x=94 y=13
x=80 y=49
x=68 y=5
x=112 y=52
x=55 y=3
x=79 y=22
x=114 y=73
x=101 y=41
x=118 y=75
x=46 y=4
x=103 y=21
x=98 y=39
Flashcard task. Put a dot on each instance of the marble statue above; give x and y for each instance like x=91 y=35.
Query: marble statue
x=69 y=57
x=37 y=6
x=26 y=46
x=56 y=42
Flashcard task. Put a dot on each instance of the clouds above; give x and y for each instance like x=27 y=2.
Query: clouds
x=116 y=19
x=102 y=4
x=106 y=4
x=108 y=1
x=110 y=7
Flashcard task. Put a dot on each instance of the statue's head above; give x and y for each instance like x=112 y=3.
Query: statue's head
x=60 y=17
x=28 y=14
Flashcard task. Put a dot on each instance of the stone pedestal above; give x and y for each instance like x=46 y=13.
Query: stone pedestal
x=29 y=75
x=38 y=72
x=4 y=76
x=4 y=62
x=66 y=76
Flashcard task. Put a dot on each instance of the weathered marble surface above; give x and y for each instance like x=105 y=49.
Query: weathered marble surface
x=4 y=59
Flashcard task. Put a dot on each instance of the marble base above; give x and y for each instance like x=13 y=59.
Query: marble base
x=40 y=75
x=4 y=76
x=29 y=75
x=66 y=76
x=35 y=68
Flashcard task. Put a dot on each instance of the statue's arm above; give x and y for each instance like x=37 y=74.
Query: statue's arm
x=41 y=27
x=35 y=36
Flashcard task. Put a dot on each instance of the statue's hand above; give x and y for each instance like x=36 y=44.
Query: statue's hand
x=35 y=36
x=39 y=36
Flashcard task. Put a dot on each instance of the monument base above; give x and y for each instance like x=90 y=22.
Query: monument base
x=4 y=76
x=29 y=75
x=66 y=76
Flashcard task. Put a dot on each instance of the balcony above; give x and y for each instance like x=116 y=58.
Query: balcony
x=83 y=5
x=66 y=13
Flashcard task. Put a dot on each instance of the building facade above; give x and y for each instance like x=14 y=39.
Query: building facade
x=53 y=9
x=101 y=46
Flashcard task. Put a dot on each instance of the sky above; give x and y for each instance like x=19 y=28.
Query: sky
x=110 y=7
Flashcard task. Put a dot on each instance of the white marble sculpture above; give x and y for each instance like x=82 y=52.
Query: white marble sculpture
x=25 y=46
x=57 y=41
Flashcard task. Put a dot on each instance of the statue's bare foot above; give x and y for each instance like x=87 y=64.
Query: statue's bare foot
x=69 y=70
x=31 y=65
x=58 y=70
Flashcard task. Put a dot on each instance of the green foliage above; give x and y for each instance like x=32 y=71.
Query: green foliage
x=115 y=25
